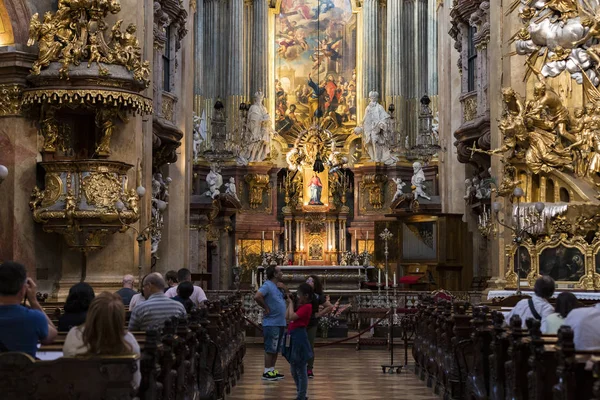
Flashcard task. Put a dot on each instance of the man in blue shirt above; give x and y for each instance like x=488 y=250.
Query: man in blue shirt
x=271 y=298
x=21 y=328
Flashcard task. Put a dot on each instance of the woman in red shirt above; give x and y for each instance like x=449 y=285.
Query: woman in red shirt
x=297 y=349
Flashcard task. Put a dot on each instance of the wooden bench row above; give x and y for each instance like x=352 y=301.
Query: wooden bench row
x=471 y=353
x=199 y=356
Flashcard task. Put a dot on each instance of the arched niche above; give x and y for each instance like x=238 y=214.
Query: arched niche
x=18 y=15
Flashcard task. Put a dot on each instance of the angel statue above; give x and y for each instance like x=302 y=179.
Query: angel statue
x=214 y=180
x=377 y=135
x=399 y=185
x=230 y=188
x=199 y=134
x=418 y=182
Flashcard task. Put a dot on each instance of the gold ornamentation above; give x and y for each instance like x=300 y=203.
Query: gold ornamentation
x=54 y=189
x=258 y=184
x=374 y=184
x=105 y=120
x=590 y=280
x=98 y=97
x=10 y=100
x=469 y=108
x=102 y=189
x=77 y=33
x=49 y=130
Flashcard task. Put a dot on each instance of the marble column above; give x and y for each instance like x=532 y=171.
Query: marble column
x=248 y=32
x=260 y=51
x=371 y=43
x=235 y=64
x=395 y=70
x=199 y=58
x=225 y=258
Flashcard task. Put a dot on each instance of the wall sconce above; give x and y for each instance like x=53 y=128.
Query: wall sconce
x=3 y=173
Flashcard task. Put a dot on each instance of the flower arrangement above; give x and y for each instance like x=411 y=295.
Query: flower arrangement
x=278 y=257
x=325 y=323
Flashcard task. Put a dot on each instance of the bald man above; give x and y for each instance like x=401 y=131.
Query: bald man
x=157 y=308
x=127 y=291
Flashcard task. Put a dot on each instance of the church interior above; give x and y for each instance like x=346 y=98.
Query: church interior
x=430 y=168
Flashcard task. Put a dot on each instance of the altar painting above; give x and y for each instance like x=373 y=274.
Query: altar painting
x=525 y=266
x=315 y=64
x=316 y=190
x=315 y=249
x=562 y=263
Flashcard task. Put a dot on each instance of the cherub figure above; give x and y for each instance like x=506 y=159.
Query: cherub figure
x=36 y=199
x=399 y=185
x=469 y=190
x=230 y=188
x=70 y=205
x=132 y=201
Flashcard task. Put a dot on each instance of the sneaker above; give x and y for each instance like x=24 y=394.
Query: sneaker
x=310 y=373
x=278 y=375
x=270 y=376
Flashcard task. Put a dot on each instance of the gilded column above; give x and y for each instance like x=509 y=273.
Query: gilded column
x=260 y=53
x=371 y=58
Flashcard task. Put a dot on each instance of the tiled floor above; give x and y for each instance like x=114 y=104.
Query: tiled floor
x=341 y=373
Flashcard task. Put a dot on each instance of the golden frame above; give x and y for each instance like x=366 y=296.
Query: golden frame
x=576 y=243
x=510 y=254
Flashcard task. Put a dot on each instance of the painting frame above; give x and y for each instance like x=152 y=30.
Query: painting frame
x=309 y=203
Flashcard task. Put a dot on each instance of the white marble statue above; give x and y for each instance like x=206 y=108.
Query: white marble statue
x=418 y=182
x=199 y=134
x=258 y=131
x=230 y=188
x=214 y=180
x=160 y=200
x=435 y=128
x=399 y=186
x=377 y=133
x=469 y=189
x=481 y=188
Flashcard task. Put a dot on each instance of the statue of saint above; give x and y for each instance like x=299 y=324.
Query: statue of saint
x=214 y=181
x=259 y=143
x=377 y=135
x=315 y=187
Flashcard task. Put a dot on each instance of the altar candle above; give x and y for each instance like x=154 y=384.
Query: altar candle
x=253 y=278
x=386 y=280
x=379 y=278
x=366 y=240
x=274 y=249
x=395 y=281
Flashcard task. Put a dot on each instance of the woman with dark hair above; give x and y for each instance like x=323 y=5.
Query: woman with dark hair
x=184 y=292
x=296 y=348
x=565 y=302
x=319 y=299
x=103 y=333
x=76 y=307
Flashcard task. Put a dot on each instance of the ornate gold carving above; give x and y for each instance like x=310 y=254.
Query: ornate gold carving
x=98 y=97
x=469 y=108
x=102 y=189
x=10 y=100
x=374 y=184
x=54 y=189
x=77 y=33
x=258 y=184
x=49 y=129
x=105 y=120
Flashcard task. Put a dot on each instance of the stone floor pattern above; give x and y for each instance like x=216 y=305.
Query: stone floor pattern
x=341 y=373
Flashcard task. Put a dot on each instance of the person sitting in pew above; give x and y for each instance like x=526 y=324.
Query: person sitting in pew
x=157 y=308
x=137 y=298
x=103 y=333
x=537 y=306
x=171 y=278
x=127 y=291
x=184 y=291
x=565 y=302
x=76 y=306
x=185 y=275
x=585 y=322
x=21 y=328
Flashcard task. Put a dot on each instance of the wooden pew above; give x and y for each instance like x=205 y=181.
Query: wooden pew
x=23 y=378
